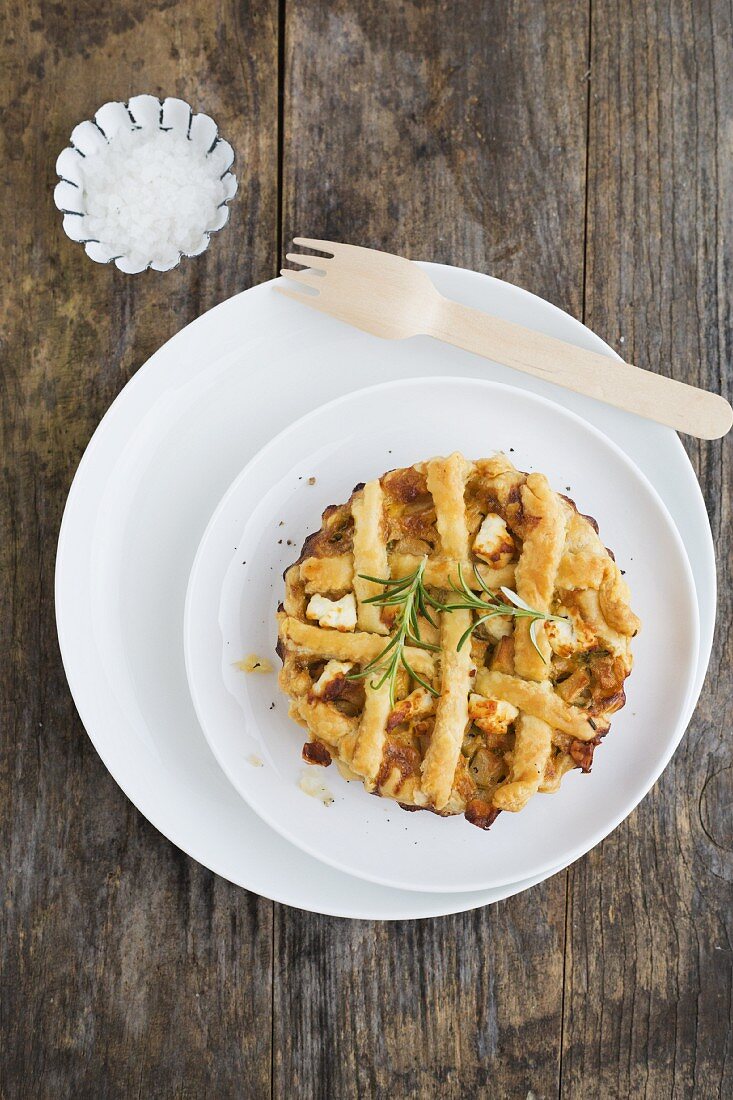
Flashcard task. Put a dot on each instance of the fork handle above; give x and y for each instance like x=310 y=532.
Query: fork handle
x=686 y=408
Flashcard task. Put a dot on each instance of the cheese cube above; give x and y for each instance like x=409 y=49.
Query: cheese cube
x=333 y=674
x=489 y=714
x=493 y=543
x=337 y=614
x=569 y=636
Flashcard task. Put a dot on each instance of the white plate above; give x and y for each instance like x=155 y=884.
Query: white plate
x=233 y=596
x=165 y=452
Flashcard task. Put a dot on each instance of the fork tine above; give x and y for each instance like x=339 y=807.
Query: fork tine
x=305 y=278
x=294 y=294
x=308 y=261
x=312 y=300
x=321 y=246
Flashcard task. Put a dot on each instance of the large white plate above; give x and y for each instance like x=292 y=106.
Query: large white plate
x=233 y=596
x=165 y=452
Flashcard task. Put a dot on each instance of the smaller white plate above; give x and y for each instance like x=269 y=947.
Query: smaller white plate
x=257 y=531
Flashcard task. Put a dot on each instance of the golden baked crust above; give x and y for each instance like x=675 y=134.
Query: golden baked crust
x=478 y=727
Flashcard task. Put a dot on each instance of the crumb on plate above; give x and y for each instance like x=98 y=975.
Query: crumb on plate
x=253 y=663
x=311 y=785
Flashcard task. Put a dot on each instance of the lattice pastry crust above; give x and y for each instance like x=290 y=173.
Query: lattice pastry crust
x=507 y=721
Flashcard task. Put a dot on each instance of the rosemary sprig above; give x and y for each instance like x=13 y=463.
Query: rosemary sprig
x=410 y=596
x=492 y=607
x=412 y=599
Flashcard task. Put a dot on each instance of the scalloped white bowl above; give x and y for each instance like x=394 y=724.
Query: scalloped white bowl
x=112 y=119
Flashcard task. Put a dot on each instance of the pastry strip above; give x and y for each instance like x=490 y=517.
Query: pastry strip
x=451 y=718
x=532 y=747
x=370 y=555
x=446 y=482
x=537 y=699
x=613 y=599
x=536 y=570
x=359 y=647
x=554 y=771
x=325 y=576
x=579 y=569
x=369 y=746
x=323 y=721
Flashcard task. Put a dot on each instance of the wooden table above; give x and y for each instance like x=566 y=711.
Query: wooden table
x=581 y=149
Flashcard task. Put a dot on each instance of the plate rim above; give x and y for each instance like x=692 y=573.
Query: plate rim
x=301 y=423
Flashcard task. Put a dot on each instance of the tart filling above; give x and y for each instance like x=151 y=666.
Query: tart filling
x=456 y=636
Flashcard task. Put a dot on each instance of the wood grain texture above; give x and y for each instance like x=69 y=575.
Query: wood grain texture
x=472 y=134
x=421 y=1008
x=126 y=968
x=648 y=978
x=456 y=134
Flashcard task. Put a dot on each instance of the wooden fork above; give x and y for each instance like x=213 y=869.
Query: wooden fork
x=392 y=297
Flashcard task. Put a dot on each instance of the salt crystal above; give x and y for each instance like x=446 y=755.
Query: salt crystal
x=151 y=194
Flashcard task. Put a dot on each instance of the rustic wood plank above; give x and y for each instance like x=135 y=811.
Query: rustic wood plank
x=452 y=1007
x=444 y=133
x=456 y=134
x=648 y=999
x=126 y=968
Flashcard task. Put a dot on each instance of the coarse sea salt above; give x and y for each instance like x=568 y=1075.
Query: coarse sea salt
x=150 y=195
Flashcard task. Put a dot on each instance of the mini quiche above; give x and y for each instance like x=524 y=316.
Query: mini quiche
x=456 y=636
